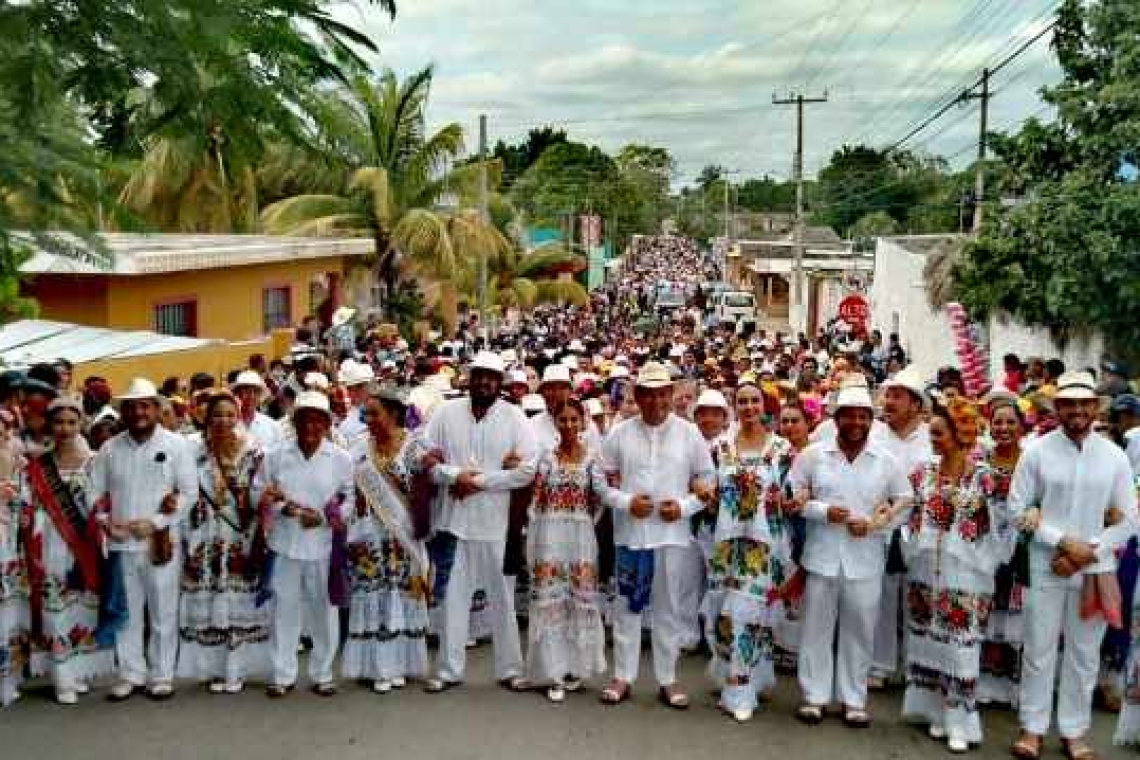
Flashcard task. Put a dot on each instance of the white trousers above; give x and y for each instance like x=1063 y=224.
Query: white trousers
x=854 y=606
x=692 y=589
x=888 y=631
x=301 y=597
x=152 y=595
x=670 y=619
x=479 y=564
x=1053 y=613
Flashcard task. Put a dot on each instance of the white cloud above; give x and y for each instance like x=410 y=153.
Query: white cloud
x=698 y=77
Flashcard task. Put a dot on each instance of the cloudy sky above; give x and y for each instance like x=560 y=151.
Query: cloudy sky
x=698 y=77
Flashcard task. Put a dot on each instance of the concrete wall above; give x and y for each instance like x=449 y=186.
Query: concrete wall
x=899 y=303
x=217 y=359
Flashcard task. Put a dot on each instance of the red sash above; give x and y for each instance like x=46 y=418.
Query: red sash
x=82 y=549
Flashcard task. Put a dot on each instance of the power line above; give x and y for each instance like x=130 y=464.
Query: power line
x=965 y=95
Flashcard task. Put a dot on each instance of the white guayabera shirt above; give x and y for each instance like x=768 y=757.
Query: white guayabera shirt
x=1074 y=486
x=137 y=476
x=659 y=461
x=873 y=478
x=479 y=445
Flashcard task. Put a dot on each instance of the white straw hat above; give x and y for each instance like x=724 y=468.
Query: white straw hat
x=489 y=361
x=312 y=400
x=248 y=379
x=556 y=373
x=910 y=379
x=853 y=396
x=712 y=399
x=654 y=375
x=1075 y=386
x=139 y=389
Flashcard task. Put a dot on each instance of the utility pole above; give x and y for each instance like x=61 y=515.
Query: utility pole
x=796 y=313
x=980 y=175
x=484 y=216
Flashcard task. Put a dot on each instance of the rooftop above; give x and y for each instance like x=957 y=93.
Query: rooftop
x=137 y=254
x=29 y=341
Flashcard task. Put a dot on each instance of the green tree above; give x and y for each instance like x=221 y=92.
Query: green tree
x=391 y=168
x=1066 y=255
x=159 y=84
x=516 y=159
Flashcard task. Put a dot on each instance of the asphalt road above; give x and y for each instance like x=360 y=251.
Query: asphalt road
x=477 y=720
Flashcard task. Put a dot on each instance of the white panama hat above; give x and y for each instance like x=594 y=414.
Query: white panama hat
x=314 y=400
x=139 y=389
x=1075 y=386
x=489 y=361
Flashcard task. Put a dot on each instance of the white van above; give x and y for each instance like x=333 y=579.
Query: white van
x=734 y=306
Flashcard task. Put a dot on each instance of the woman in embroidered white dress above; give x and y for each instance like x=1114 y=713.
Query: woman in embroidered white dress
x=953 y=545
x=224 y=633
x=388 y=568
x=13 y=574
x=565 y=636
x=751 y=558
x=63 y=560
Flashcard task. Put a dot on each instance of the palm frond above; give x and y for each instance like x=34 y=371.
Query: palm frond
x=563 y=292
x=424 y=238
x=938 y=273
x=284 y=217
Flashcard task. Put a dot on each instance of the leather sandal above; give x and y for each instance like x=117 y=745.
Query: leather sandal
x=616 y=693
x=674 y=699
x=1077 y=749
x=1027 y=746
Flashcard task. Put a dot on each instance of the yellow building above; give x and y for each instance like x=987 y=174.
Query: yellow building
x=229 y=287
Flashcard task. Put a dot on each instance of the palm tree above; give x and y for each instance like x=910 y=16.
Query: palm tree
x=392 y=169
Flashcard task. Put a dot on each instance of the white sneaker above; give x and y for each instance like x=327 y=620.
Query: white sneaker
x=82 y=687
x=742 y=715
x=160 y=690
x=957 y=744
x=556 y=694
x=936 y=732
x=217 y=687
x=382 y=686
x=236 y=686
x=67 y=697
x=122 y=691
x=399 y=682
x=572 y=684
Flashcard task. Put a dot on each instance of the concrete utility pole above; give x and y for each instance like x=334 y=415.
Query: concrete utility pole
x=796 y=313
x=485 y=216
x=980 y=175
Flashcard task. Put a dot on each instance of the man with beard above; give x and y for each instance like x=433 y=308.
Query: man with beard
x=306 y=483
x=855 y=492
x=482 y=449
x=1074 y=491
x=148 y=475
x=907 y=438
x=654 y=461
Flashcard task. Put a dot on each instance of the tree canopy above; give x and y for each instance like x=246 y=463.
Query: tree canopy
x=1066 y=253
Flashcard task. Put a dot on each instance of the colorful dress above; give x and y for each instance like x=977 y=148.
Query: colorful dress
x=64 y=646
x=1128 y=724
x=224 y=633
x=1000 y=679
x=953 y=546
x=565 y=632
x=13 y=603
x=750 y=562
x=389 y=574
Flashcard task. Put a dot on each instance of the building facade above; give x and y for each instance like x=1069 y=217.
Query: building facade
x=230 y=287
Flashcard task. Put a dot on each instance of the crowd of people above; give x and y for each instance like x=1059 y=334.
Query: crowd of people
x=808 y=507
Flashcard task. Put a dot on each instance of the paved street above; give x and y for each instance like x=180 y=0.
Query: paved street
x=476 y=721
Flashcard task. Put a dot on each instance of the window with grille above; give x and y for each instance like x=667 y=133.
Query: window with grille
x=276 y=308
x=177 y=318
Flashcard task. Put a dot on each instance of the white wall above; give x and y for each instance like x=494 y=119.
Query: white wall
x=899 y=293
